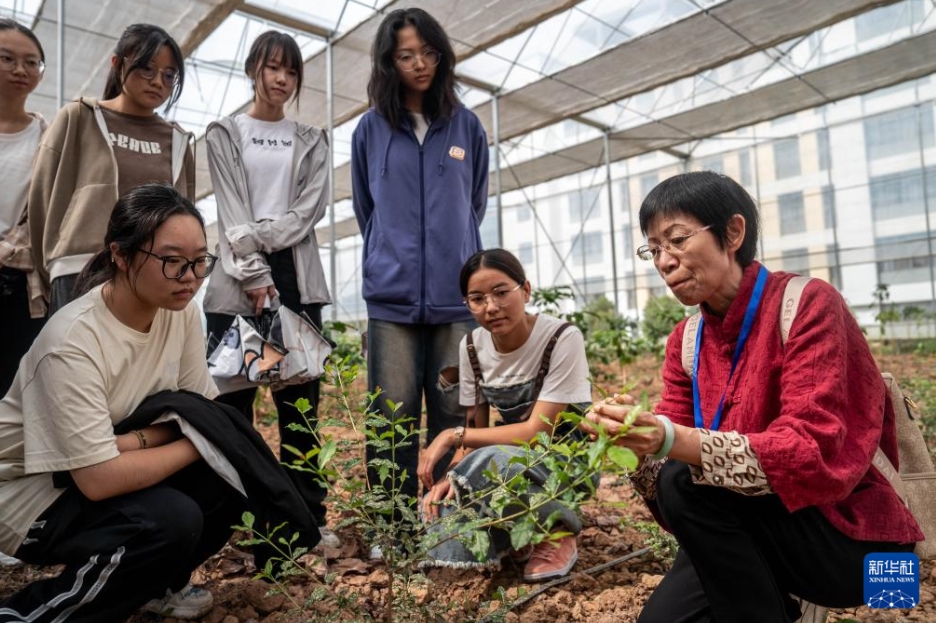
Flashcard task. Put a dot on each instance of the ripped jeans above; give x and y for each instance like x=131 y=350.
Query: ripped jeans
x=405 y=361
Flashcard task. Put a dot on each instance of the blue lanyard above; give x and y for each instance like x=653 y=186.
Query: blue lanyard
x=742 y=340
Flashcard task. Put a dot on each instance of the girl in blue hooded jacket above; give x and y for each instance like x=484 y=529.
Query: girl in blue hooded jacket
x=419 y=170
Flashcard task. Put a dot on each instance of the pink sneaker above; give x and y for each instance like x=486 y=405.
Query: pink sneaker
x=551 y=559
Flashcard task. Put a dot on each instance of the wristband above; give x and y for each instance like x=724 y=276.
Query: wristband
x=668 y=438
x=141 y=438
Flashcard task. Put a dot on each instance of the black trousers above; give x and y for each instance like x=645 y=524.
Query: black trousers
x=313 y=492
x=121 y=552
x=17 y=329
x=62 y=292
x=741 y=557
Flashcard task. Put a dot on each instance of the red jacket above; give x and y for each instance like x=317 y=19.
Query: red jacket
x=813 y=410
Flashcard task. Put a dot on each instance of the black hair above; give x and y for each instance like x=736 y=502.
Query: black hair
x=136 y=217
x=384 y=89
x=712 y=199
x=11 y=24
x=264 y=48
x=137 y=47
x=496 y=259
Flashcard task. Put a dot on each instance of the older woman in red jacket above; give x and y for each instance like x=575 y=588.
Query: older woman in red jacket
x=759 y=462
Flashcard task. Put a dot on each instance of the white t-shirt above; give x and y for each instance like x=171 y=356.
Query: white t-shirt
x=267 y=148
x=421 y=128
x=85 y=372
x=565 y=383
x=17 y=151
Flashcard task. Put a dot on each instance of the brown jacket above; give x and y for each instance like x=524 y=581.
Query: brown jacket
x=74 y=187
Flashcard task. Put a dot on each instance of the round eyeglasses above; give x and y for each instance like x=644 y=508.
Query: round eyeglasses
x=170 y=75
x=176 y=266
x=676 y=243
x=407 y=60
x=500 y=297
x=32 y=66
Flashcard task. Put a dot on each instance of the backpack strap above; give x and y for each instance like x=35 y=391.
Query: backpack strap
x=688 y=342
x=792 y=294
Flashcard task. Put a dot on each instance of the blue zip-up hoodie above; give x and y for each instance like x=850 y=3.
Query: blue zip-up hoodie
x=418 y=208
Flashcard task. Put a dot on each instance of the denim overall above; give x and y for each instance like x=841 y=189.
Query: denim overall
x=514 y=404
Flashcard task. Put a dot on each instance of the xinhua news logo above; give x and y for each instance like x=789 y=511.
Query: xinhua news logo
x=892 y=581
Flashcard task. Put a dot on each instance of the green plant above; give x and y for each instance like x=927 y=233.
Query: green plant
x=922 y=390
x=661 y=314
x=388 y=517
x=885 y=314
x=609 y=337
x=347 y=340
x=663 y=544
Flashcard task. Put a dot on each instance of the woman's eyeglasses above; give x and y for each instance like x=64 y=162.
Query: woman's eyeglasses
x=407 y=61
x=169 y=75
x=32 y=66
x=175 y=266
x=478 y=302
x=676 y=243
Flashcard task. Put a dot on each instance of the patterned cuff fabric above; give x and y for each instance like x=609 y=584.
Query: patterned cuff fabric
x=728 y=461
x=644 y=478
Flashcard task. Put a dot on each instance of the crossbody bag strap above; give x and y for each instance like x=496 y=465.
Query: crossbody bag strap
x=883 y=464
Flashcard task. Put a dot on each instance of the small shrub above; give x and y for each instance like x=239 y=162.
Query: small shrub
x=661 y=315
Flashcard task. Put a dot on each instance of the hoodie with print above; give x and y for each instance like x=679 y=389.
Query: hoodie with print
x=75 y=186
x=419 y=208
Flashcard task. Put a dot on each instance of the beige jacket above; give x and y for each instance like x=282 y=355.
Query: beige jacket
x=74 y=187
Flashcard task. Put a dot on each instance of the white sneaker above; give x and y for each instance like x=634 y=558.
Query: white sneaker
x=329 y=538
x=8 y=561
x=376 y=554
x=189 y=603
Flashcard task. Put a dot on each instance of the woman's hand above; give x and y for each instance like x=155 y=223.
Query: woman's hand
x=437 y=495
x=609 y=413
x=645 y=435
x=258 y=297
x=436 y=450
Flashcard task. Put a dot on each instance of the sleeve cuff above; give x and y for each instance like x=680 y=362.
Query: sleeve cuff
x=728 y=461
x=241 y=241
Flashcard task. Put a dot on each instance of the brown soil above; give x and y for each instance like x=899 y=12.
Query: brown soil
x=615 y=593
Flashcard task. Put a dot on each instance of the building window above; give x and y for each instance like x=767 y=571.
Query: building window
x=898 y=132
x=744 y=168
x=903 y=259
x=647 y=183
x=886 y=20
x=589 y=290
x=796 y=261
x=898 y=195
x=714 y=163
x=792 y=213
x=588 y=248
x=822 y=145
x=523 y=213
x=525 y=253
x=786 y=158
x=584 y=204
x=828 y=207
